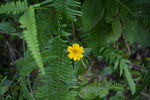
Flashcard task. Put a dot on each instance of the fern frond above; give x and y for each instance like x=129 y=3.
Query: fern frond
x=13 y=7
x=115 y=58
x=59 y=81
x=142 y=15
x=26 y=65
x=24 y=71
x=117 y=86
x=30 y=35
x=67 y=8
x=46 y=26
x=26 y=92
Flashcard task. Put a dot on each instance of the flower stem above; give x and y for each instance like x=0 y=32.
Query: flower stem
x=83 y=64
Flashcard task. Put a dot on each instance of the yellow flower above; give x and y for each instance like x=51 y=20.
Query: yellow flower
x=75 y=52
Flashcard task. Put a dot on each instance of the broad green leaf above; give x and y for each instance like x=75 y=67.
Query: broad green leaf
x=135 y=33
x=117 y=29
x=92 y=13
x=7 y=27
x=99 y=36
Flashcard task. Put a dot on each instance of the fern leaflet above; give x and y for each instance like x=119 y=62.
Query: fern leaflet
x=113 y=57
x=30 y=35
x=13 y=7
x=67 y=8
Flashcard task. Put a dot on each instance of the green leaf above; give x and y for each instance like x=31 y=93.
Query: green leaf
x=30 y=35
x=135 y=33
x=118 y=96
x=91 y=92
x=129 y=79
x=117 y=29
x=108 y=70
x=144 y=83
x=92 y=13
x=99 y=36
x=4 y=86
x=7 y=27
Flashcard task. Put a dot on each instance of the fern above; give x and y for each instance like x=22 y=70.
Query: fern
x=59 y=80
x=30 y=35
x=58 y=83
x=145 y=82
x=114 y=57
x=67 y=8
x=25 y=66
x=14 y=7
x=117 y=86
x=46 y=26
x=23 y=72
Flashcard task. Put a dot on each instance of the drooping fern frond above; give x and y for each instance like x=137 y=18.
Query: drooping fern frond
x=30 y=35
x=13 y=7
x=67 y=8
x=24 y=71
x=59 y=81
x=115 y=58
x=25 y=66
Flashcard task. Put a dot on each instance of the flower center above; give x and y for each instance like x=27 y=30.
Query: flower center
x=75 y=51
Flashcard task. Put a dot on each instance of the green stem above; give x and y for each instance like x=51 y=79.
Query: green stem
x=125 y=6
x=30 y=88
x=83 y=64
x=73 y=32
x=42 y=8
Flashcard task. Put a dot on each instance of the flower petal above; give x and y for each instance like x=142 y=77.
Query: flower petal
x=69 y=49
x=81 y=50
x=75 y=46
x=70 y=55
x=80 y=55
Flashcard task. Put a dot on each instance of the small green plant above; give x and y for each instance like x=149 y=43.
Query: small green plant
x=74 y=49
